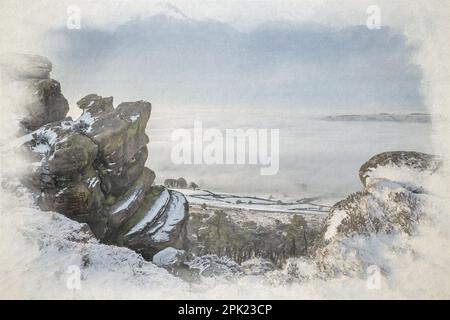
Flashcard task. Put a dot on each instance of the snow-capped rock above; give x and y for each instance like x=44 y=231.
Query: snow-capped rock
x=169 y=257
x=39 y=97
x=360 y=228
x=401 y=166
x=92 y=169
x=63 y=260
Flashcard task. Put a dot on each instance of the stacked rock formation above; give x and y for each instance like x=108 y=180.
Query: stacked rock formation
x=92 y=169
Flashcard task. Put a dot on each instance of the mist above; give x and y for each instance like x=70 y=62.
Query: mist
x=27 y=272
x=277 y=74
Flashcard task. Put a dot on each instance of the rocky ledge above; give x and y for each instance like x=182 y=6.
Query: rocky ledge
x=398 y=191
x=92 y=169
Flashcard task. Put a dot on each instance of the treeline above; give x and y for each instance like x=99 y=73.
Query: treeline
x=218 y=234
x=180 y=183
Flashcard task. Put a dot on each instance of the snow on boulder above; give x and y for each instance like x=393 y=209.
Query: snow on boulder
x=382 y=207
x=169 y=257
x=214 y=266
x=49 y=248
x=257 y=266
x=414 y=167
x=358 y=228
x=92 y=169
x=131 y=201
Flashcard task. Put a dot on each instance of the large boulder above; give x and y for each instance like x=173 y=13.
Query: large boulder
x=47 y=104
x=95 y=104
x=38 y=97
x=120 y=136
x=382 y=207
x=395 y=197
x=390 y=200
x=92 y=169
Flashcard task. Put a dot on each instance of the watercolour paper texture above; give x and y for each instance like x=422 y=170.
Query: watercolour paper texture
x=224 y=149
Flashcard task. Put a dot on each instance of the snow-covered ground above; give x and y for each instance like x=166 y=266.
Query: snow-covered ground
x=262 y=209
x=257 y=203
x=43 y=251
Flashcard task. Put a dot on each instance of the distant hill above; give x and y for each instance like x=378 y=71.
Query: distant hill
x=382 y=117
x=180 y=60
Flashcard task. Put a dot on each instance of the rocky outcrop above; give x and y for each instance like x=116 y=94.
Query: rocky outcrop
x=392 y=202
x=92 y=169
x=417 y=161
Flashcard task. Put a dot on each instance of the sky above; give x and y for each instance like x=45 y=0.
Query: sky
x=233 y=62
x=179 y=61
x=300 y=54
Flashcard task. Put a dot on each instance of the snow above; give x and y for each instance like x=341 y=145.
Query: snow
x=87 y=119
x=169 y=10
x=43 y=247
x=157 y=206
x=176 y=212
x=134 y=118
x=212 y=265
x=334 y=223
x=15 y=143
x=412 y=117
x=407 y=176
x=167 y=257
x=38 y=248
x=92 y=182
x=125 y=204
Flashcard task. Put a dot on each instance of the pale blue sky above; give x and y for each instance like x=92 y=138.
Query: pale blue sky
x=310 y=66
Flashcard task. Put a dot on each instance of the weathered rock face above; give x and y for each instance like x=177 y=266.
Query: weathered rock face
x=383 y=207
x=257 y=266
x=43 y=101
x=92 y=169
